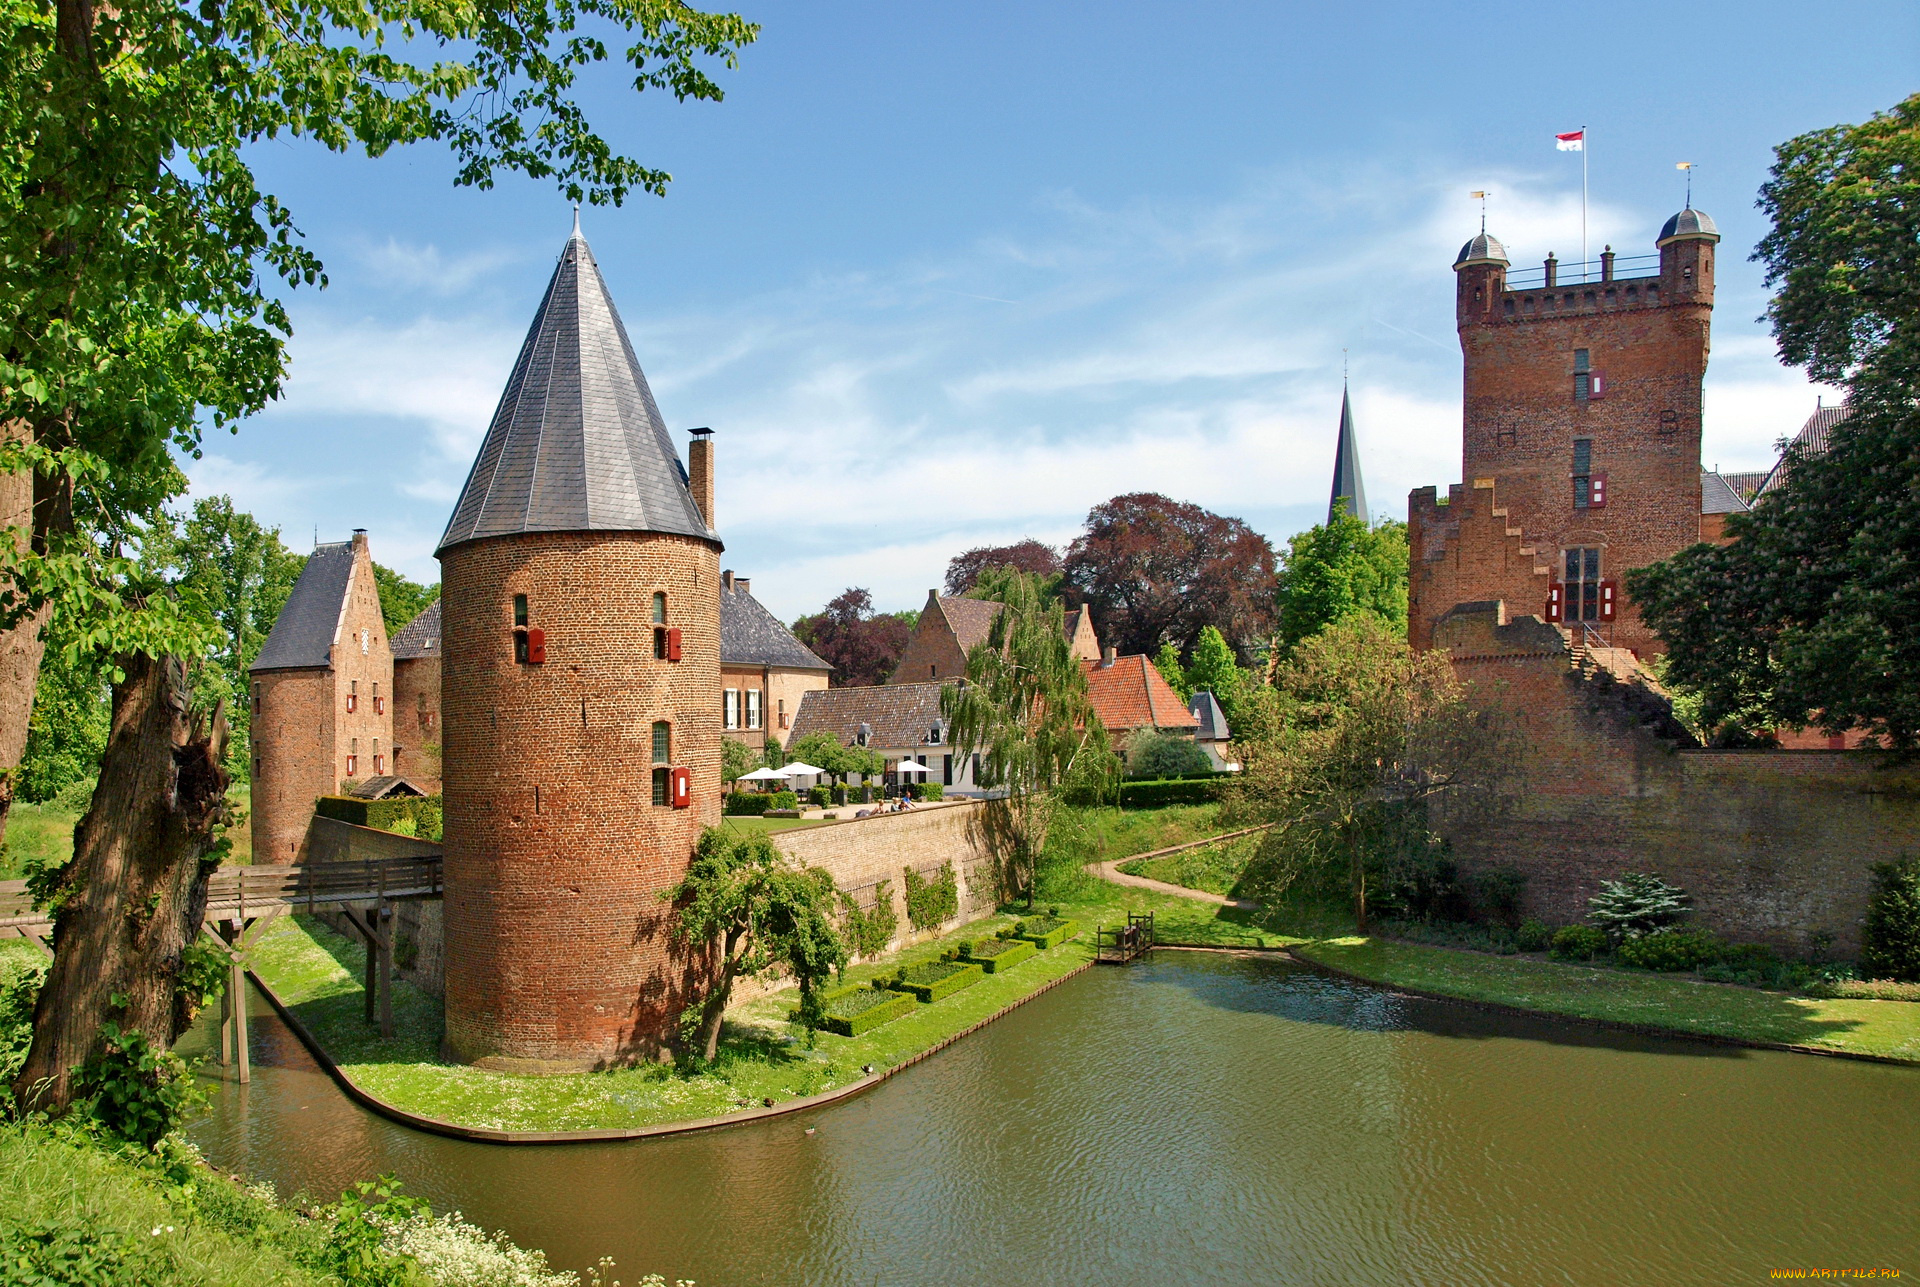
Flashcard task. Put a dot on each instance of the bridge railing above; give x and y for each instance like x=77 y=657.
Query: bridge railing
x=233 y=889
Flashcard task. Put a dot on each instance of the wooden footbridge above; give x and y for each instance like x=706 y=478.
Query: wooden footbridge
x=243 y=901
x=1127 y=943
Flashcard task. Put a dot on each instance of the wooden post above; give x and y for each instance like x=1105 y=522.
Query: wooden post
x=371 y=985
x=385 y=921
x=237 y=990
x=226 y=1024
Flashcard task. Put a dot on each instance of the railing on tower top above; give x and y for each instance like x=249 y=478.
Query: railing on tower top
x=1592 y=272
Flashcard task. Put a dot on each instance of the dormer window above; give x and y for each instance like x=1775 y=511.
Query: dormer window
x=864 y=736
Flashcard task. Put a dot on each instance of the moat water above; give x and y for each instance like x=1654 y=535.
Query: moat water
x=1196 y=1119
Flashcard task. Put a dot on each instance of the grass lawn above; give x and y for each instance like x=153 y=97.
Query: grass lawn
x=92 y=1199
x=45 y=832
x=1628 y=996
x=1215 y=868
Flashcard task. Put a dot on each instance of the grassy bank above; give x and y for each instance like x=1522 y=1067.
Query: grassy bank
x=66 y=1205
x=44 y=833
x=1216 y=869
x=1888 y=1028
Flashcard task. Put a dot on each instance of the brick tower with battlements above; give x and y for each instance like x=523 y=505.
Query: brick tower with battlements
x=1581 y=437
x=581 y=736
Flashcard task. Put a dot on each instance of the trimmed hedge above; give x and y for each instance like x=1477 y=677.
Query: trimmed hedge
x=852 y=1011
x=820 y=797
x=1045 y=931
x=926 y=790
x=394 y=813
x=1151 y=795
x=746 y=804
x=997 y=954
x=937 y=979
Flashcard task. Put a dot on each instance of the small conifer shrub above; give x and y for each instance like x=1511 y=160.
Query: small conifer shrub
x=1637 y=904
x=1890 y=938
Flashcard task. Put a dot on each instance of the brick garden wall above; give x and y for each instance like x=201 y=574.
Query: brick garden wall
x=1774 y=846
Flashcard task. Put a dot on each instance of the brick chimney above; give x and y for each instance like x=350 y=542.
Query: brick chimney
x=700 y=472
x=359 y=541
x=726 y=580
x=1108 y=656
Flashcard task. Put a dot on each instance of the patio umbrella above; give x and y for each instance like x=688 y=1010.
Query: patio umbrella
x=763 y=775
x=911 y=765
x=798 y=767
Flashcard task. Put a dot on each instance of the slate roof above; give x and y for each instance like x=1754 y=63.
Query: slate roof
x=1689 y=224
x=1747 y=483
x=1130 y=694
x=1814 y=438
x=900 y=715
x=419 y=637
x=577 y=443
x=1717 y=495
x=1213 y=720
x=971 y=619
x=1349 y=490
x=303 y=633
x=381 y=787
x=752 y=636
x=1481 y=249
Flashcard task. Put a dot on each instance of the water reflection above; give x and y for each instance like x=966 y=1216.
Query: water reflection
x=1197 y=1119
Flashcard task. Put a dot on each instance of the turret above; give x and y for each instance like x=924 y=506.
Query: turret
x=1481 y=276
x=1686 y=245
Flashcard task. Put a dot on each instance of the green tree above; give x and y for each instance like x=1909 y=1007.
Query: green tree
x=401 y=600
x=736 y=758
x=1361 y=748
x=1807 y=615
x=1167 y=662
x=750 y=907
x=137 y=262
x=1340 y=568
x=1025 y=711
x=1890 y=935
x=1213 y=670
x=1156 y=755
x=71 y=709
x=823 y=750
x=993 y=583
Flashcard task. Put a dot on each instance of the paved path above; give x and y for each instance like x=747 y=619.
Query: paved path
x=1111 y=871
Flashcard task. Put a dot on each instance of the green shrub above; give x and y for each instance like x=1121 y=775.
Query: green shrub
x=1045 y=932
x=932 y=903
x=839 y=795
x=1533 y=936
x=1157 y=757
x=1670 y=951
x=870 y=930
x=356 y=1250
x=1578 y=943
x=1497 y=893
x=996 y=954
x=933 y=980
x=35 y=1254
x=19 y=991
x=927 y=791
x=746 y=804
x=820 y=797
x=853 y=1011
x=1864 y=989
x=784 y=800
x=1890 y=938
x=412 y=815
x=135 y=1091
x=1152 y=795
x=1638 y=903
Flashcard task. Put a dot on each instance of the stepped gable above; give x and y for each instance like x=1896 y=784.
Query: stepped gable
x=752 y=636
x=303 y=634
x=419 y=637
x=577 y=443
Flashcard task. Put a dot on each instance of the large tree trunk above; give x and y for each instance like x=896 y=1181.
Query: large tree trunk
x=136 y=891
x=21 y=645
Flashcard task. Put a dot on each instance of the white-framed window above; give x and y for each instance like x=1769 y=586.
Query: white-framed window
x=753 y=708
x=730 y=709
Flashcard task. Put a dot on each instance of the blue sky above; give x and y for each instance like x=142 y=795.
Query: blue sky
x=948 y=275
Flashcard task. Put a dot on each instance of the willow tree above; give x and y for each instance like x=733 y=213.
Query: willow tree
x=139 y=265
x=1025 y=711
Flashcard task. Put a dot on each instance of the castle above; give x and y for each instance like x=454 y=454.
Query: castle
x=1581 y=437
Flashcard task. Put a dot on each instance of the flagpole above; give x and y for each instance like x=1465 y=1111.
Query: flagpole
x=1584 y=141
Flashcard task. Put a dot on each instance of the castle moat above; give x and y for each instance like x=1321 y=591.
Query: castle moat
x=1198 y=1118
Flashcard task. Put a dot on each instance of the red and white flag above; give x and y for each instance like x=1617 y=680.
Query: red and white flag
x=1574 y=142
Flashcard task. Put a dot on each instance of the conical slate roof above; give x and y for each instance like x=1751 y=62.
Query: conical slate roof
x=1349 y=492
x=577 y=444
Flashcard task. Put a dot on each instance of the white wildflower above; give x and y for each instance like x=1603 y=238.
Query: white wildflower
x=452 y=1253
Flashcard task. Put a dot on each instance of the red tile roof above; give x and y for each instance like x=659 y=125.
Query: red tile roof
x=1130 y=694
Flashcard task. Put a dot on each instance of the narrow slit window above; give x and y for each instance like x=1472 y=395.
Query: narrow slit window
x=662 y=742
x=1582 y=375
x=520 y=610
x=1582 y=472
x=659 y=608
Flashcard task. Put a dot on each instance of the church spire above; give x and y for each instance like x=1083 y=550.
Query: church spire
x=1349 y=492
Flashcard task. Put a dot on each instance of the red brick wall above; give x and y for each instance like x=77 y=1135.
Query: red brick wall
x=293 y=764
x=1774 y=846
x=1649 y=337
x=416 y=720
x=557 y=942
x=363 y=666
x=931 y=653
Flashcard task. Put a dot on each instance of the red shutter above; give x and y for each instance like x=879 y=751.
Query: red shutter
x=352 y=701
x=1597 y=491
x=1596 y=385
x=673 y=643
x=1606 y=600
x=379 y=705
x=680 y=788
x=536 y=647
x=1555 y=593
x=351 y=761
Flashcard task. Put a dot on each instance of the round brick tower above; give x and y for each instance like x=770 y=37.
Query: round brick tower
x=579 y=697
